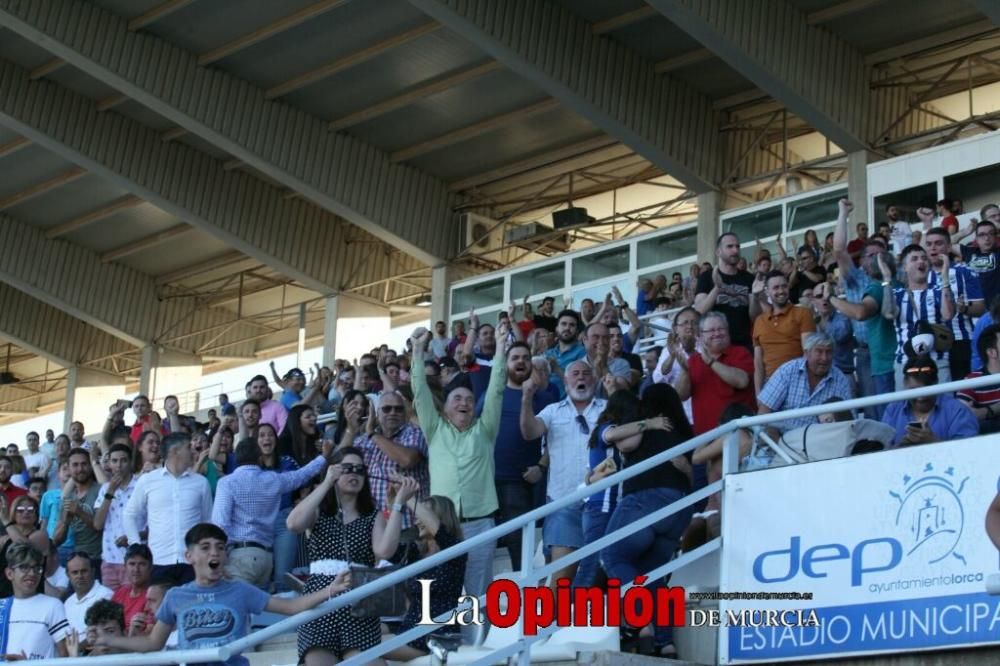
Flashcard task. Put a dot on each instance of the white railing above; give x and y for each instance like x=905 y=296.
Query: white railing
x=526 y=523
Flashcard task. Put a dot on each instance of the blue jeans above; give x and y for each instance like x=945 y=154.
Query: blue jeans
x=866 y=384
x=648 y=548
x=595 y=522
x=884 y=383
x=286 y=549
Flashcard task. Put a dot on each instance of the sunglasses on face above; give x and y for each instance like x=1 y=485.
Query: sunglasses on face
x=24 y=509
x=389 y=409
x=350 y=468
x=920 y=371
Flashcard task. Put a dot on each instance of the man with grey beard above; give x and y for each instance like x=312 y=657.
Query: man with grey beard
x=567 y=425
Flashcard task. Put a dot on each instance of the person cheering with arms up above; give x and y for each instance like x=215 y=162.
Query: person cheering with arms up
x=460 y=448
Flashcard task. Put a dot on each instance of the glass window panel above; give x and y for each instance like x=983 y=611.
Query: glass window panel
x=597 y=292
x=906 y=202
x=760 y=223
x=670 y=247
x=480 y=296
x=815 y=211
x=538 y=281
x=974 y=188
x=601 y=265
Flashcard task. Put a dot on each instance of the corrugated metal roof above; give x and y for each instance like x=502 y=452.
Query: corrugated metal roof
x=125 y=226
x=487 y=97
x=67 y=202
x=342 y=31
x=16 y=49
x=203 y=26
x=880 y=26
x=373 y=81
x=194 y=247
x=29 y=166
x=505 y=144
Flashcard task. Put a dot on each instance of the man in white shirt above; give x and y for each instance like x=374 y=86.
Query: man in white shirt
x=35 y=460
x=86 y=591
x=567 y=426
x=169 y=501
x=109 y=514
x=32 y=625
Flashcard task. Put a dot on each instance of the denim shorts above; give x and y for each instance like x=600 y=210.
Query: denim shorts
x=564 y=527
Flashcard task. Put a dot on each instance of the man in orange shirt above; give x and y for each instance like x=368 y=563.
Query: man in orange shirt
x=778 y=335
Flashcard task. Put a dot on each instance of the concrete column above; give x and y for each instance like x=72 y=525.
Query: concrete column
x=352 y=327
x=857 y=189
x=330 y=331
x=440 y=295
x=709 y=207
x=89 y=393
x=167 y=372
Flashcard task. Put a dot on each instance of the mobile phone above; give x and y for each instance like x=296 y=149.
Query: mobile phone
x=916 y=424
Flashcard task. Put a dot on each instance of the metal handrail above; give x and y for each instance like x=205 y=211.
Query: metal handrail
x=526 y=523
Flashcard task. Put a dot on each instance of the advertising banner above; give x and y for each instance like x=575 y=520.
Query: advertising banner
x=892 y=547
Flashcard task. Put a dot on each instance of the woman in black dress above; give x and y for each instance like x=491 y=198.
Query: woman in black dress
x=439 y=529
x=346 y=528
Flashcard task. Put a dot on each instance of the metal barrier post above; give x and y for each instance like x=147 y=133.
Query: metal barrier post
x=527 y=566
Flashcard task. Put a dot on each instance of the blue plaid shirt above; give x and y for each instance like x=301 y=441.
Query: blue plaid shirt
x=247 y=501
x=788 y=388
x=855 y=283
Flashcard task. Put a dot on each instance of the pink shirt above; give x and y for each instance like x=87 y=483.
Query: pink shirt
x=273 y=412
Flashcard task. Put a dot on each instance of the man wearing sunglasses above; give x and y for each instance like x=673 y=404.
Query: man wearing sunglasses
x=933 y=418
x=393 y=446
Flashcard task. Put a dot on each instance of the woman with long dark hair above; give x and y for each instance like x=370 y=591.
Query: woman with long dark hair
x=147 y=453
x=654 y=545
x=298 y=439
x=346 y=528
x=351 y=416
x=622 y=407
x=286 y=544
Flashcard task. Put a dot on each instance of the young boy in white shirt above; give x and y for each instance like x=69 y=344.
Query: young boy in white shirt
x=32 y=626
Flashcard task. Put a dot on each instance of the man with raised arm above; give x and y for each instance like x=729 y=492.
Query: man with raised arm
x=726 y=289
x=460 y=450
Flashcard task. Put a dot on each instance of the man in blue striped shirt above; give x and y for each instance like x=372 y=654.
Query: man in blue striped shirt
x=917 y=301
x=966 y=293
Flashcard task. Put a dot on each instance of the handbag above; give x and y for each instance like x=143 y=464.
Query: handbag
x=390 y=602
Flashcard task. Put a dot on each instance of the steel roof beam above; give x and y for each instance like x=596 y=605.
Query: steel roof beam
x=623 y=20
x=39 y=189
x=147 y=242
x=49 y=332
x=815 y=74
x=112 y=298
x=346 y=176
x=610 y=85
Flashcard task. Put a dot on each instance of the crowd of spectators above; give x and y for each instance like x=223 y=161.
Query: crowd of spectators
x=116 y=542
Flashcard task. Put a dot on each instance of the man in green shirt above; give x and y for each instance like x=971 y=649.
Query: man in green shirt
x=877 y=309
x=460 y=450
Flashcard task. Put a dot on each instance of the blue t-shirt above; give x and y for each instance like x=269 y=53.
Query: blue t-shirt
x=49 y=511
x=607 y=500
x=512 y=454
x=289 y=398
x=207 y=617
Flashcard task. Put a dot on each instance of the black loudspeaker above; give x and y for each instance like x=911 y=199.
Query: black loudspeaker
x=570 y=217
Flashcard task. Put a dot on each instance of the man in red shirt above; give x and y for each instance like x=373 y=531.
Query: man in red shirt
x=9 y=491
x=721 y=374
x=145 y=418
x=857 y=246
x=138 y=574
